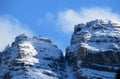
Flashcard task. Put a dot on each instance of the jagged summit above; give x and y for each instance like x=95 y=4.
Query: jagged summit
x=98 y=24
x=32 y=58
x=23 y=37
x=107 y=34
x=95 y=49
x=94 y=53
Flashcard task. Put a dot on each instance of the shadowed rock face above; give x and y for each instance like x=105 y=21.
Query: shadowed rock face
x=103 y=58
x=96 y=45
x=118 y=74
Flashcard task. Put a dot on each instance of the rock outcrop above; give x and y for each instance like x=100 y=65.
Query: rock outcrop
x=95 y=46
x=32 y=58
x=94 y=53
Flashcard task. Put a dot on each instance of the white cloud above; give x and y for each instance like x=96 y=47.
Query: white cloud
x=9 y=29
x=68 y=18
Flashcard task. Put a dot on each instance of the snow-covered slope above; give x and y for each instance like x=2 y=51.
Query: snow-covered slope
x=94 y=53
x=95 y=49
x=98 y=35
x=32 y=58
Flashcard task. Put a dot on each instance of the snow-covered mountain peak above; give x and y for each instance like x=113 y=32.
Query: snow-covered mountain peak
x=23 y=37
x=32 y=58
x=97 y=25
x=95 y=46
x=94 y=53
x=98 y=34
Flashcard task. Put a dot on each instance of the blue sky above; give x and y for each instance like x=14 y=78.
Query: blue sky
x=54 y=19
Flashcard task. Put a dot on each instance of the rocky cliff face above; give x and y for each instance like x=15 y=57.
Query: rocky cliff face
x=32 y=58
x=94 y=53
x=95 y=49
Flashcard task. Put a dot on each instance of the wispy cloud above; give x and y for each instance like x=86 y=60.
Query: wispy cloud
x=9 y=28
x=69 y=17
